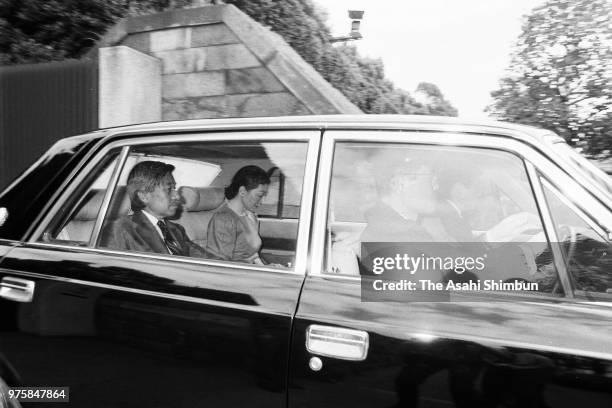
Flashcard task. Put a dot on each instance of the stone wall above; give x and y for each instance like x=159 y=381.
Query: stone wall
x=217 y=62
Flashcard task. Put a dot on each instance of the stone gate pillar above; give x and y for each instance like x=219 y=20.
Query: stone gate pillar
x=206 y=62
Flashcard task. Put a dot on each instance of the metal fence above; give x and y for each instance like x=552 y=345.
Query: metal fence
x=40 y=104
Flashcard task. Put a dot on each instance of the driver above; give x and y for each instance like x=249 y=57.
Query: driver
x=466 y=196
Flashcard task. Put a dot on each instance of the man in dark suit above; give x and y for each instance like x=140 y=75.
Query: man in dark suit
x=406 y=193
x=154 y=199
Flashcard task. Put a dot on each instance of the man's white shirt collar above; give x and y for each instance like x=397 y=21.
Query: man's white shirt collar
x=153 y=221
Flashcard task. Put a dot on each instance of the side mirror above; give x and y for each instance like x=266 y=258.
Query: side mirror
x=3 y=215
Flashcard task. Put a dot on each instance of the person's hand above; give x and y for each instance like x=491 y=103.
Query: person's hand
x=277 y=265
x=251 y=226
x=251 y=223
x=514 y=226
x=255 y=259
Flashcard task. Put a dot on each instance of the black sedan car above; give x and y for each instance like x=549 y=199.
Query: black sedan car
x=286 y=262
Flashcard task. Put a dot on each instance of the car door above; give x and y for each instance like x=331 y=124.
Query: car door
x=8 y=376
x=141 y=329
x=356 y=347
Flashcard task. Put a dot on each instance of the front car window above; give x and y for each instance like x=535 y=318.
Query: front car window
x=587 y=254
x=425 y=196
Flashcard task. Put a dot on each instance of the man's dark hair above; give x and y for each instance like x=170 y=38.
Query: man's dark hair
x=145 y=176
x=249 y=177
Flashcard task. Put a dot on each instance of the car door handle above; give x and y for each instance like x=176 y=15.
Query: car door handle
x=337 y=342
x=16 y=289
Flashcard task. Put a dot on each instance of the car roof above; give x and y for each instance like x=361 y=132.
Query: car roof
x=442 y=123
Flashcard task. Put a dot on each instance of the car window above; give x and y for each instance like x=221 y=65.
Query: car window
x=587 y=254
x=283 y=199
x=74 y=223
x=205 y=222
x=475 y=199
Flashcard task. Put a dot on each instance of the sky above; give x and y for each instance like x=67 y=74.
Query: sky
x=462 y=46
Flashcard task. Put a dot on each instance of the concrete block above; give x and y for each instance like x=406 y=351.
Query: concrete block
x=230 y=57
x=170 y=39
x=298 y=84
x=182 y=61
x=212 y=34
x=250 y=80
x=272 y=104
x=177 y=18
x=195 y=108
x=231 y=106
x=301 y=79
x=193 y=84
x=139 y=41
x=215 y=107
x=129 y=87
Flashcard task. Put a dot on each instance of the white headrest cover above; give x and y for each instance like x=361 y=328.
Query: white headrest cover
x=201 y=198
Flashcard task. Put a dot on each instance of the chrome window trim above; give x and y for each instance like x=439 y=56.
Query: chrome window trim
x=602 y=298
x=319 y=225
x=162 y=257
x=4 y=241
x=307 y=201
x=525 y=151
x=311 y=137
x=549 y=228
x=110 y=189
x=162 y=295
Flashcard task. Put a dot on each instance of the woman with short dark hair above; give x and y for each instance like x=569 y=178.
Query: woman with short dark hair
x=233 y=231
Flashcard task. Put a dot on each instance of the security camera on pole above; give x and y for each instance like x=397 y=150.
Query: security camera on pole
x=356 y=16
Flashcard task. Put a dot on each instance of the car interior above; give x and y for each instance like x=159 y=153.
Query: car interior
x=499 y=190
x=201 y=173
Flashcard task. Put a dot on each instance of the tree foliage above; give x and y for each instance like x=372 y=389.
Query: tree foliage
x=560 y=76
x=36 y=31
x=51 y=30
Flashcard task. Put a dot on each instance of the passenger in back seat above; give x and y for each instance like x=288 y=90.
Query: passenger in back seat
x=233 y=231
x=152 y=191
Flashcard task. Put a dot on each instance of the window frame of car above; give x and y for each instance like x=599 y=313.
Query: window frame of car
x=579 y=212
x=511 y=141
x=126 y=140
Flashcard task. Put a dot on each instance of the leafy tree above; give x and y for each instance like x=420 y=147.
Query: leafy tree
x=36 y=31
x=50 y=30
x=435 y=104
x=560 y=76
